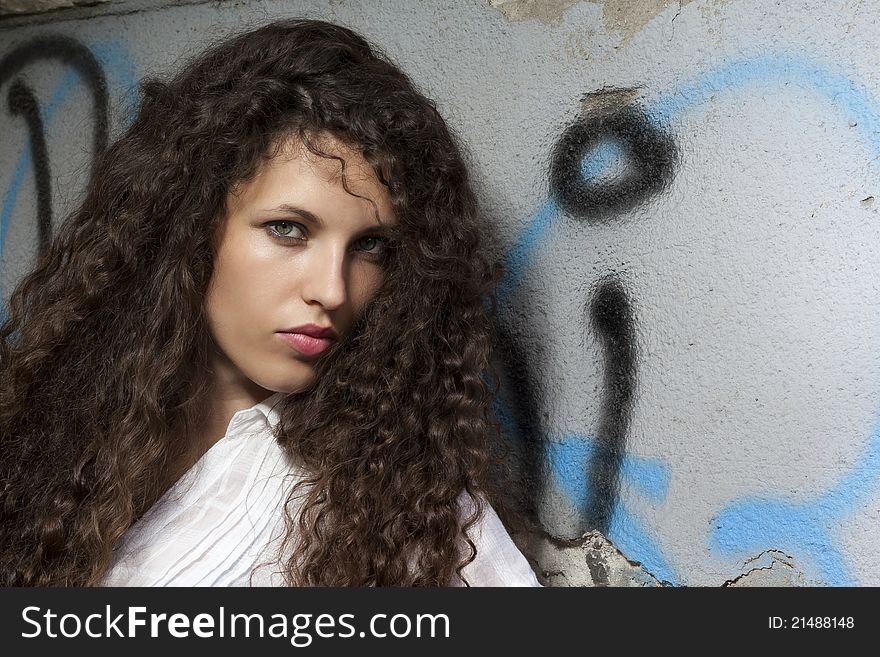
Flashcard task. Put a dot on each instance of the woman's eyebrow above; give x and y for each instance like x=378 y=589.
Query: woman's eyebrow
x=286 y=208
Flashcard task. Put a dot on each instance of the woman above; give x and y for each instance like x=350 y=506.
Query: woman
x=255 y=354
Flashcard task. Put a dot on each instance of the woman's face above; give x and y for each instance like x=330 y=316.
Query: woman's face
x=296 y=255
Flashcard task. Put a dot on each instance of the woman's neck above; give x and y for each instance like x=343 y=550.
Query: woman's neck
x=208 y=426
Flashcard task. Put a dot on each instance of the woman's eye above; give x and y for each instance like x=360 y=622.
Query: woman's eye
x=373 y=245
x=285 y=230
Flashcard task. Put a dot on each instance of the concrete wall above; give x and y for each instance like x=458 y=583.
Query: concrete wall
x=686 y=198
x=10 y=7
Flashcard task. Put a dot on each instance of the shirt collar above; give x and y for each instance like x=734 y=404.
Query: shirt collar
x=267 y=408
x=250 y=419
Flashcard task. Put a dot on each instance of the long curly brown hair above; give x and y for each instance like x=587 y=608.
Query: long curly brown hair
x=104 y=355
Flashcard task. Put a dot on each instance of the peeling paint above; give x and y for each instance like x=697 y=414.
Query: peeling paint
x=711 y=10
x=591 y=560
x=622 y=16
x=546 y=11
x=596 y=562
x=607 y=101
x=628 y=18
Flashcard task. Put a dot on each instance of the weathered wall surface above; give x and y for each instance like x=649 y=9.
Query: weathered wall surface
x=9 y=7
x=685 y=194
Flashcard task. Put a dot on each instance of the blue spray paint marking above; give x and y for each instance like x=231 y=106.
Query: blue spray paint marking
x=518 y=260
x=650 y=475
x=114 y=58
x=67 y=83
x=606 y=160
x=631 y=538
x=748 y=524
x=773 y=70
x=568 y=458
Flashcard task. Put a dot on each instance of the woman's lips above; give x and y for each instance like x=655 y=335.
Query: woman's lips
x=306 y=344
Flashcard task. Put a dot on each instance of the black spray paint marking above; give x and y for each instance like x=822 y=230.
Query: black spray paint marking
x=644 y=159
x=523 y=404
x=23 y=102
x=610 y=314
x=72 y=53
x=648 y=162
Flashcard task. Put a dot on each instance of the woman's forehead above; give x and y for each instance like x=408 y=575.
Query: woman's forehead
x=337 y=180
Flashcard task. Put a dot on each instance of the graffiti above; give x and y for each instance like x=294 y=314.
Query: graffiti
x=23 y=102
x=518 y=418
x=569 y=457
x=603 y=164
x=751 y=523
x=624 y=143
x=85 y=66
x=598 y=172
x=78 y=57
x=747 y=524
x=611 y=316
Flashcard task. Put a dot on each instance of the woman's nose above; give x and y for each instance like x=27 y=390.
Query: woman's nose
x=325 y=278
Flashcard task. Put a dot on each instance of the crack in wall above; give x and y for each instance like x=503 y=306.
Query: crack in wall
x=780 y=571
x=672 y=22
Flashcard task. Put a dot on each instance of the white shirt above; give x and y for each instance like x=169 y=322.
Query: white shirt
x=223 y=518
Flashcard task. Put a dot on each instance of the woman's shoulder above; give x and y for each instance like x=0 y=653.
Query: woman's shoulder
x=209 y=528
